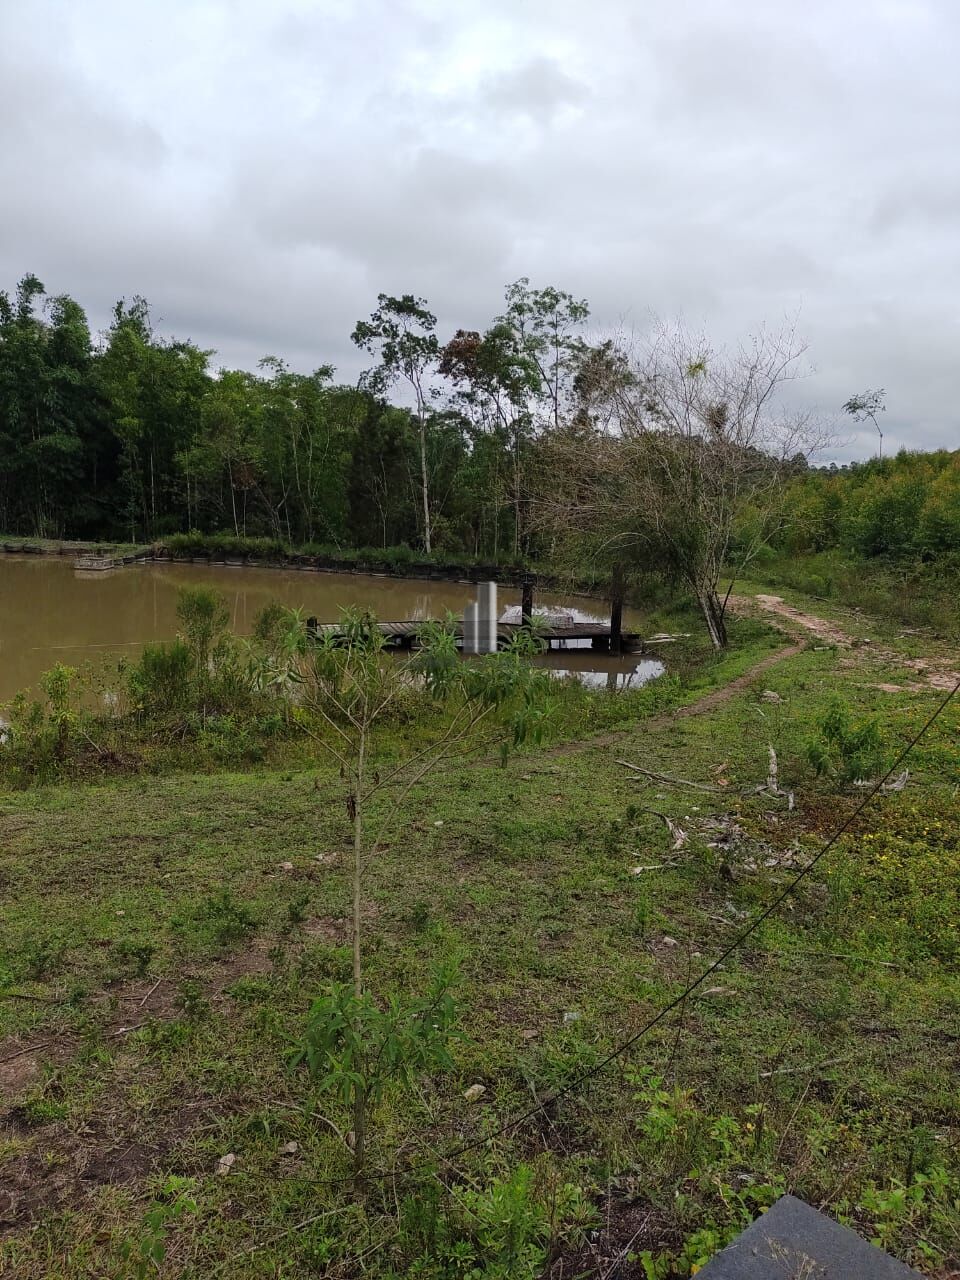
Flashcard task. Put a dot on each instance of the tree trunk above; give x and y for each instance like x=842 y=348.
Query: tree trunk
x=712 y=612
x=516 y=495
x=616 y=610
x=424 y=484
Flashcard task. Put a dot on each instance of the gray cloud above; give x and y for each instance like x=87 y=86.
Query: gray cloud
x=261 y=172
x=539 y=89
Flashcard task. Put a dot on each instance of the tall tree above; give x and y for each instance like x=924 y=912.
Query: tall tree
x=495 y=383
x=402 y=332
x=865 y=407
x=45 y=399
x=544 y=324
x=697 y=443
x=227 y=455
x=305 y=453
x=379 y=478
x=154 y=389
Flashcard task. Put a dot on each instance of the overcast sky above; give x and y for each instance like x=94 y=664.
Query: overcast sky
x=261 y=170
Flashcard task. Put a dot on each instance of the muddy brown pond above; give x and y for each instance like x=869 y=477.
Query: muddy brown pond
x=51 y=612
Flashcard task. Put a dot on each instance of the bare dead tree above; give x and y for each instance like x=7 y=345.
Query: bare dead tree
x=680 y=460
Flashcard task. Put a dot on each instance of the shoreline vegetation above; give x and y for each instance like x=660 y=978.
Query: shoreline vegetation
x=269 y=553
x=209 y=698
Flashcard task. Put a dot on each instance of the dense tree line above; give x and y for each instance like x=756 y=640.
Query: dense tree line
x=130 y=434
x=522 y=440
x=901 y=508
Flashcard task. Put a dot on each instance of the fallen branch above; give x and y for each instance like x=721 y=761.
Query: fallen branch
x=665 y=777
x=895 y=784
x=772 y=785
x=676 y=831
x=614 y=1266
x=125 y=1031
x=269 y=1241
x=30 y=1048
x=829 y=955
x=149 y=993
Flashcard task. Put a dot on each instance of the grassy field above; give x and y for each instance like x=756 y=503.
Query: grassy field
x=162 y=936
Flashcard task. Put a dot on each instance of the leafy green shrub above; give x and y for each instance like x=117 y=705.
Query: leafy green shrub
x=43 y=735
x=500 y=1232
x=848 y=751
x=162 y=682
x=222 y=544
x=704 y=1153
x=144 y=1256
x=271 y=625
x=353 y=1046
x=204 y=616
x=60 y=686
x=190 y=1000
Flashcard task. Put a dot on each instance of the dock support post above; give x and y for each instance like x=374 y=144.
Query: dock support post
x=487 y=617
x=526 y=602
x=616 y=611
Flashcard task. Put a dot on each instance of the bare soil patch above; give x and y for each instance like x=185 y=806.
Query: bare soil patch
x=829 y=632
x=62 y=1162
x=933 y=672
x=627 y=1227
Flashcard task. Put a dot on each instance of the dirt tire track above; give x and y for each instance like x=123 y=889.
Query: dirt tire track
x=700 y=706
x=933 y=672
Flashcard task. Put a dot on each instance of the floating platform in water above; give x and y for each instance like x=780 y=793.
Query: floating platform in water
x=94 y=564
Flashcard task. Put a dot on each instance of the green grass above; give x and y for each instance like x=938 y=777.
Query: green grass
x=206 y=910
x=910 y=593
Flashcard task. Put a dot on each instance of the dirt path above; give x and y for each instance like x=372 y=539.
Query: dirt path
x=700 y=706
x=936 y=671
x=717 y=697
x=829 y=632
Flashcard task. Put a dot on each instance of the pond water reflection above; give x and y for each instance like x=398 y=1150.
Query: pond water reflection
x=50 y=612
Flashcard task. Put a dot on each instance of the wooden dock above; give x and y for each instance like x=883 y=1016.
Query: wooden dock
x=97 y=564
x=406 y=635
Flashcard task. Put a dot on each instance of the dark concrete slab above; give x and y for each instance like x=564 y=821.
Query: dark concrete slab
x=791 y=1241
